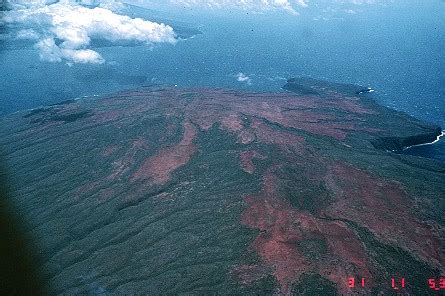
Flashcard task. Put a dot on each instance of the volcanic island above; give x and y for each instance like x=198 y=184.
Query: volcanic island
x=167 y=190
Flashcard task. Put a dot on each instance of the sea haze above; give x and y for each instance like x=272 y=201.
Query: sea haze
x=396 y=49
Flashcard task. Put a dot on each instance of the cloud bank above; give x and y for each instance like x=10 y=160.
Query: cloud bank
x=65 y=29
x=292 y=6
x=256 y=5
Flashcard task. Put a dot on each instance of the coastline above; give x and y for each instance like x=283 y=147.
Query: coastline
x=396 y=137
x=429 y=143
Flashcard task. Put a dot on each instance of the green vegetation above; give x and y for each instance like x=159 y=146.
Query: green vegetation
x=314 y=285
x=302 y=193
x=71 y=117
x=313 y=248
x=100 y=228
x=392 y=261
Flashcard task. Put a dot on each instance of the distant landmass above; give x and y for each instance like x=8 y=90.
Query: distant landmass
x=167 y=190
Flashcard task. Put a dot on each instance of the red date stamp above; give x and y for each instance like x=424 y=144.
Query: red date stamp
x=352 y=282
x=437 y=284
x=398 y=283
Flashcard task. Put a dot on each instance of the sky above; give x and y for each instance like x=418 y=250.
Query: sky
x=62 y=30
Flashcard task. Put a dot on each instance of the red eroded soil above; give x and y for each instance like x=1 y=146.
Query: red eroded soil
x=384 y=208
x=246 y=136
x=246 y=160
x=264 y=133
x=124 y=164
x=159 y=167
x=283 y=232
x=304 y=217
x=232 y=123
x=247 y=274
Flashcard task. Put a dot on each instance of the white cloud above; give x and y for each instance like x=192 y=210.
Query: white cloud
x=291 y=6
x=241 y=77
x=64 y=28
x=255 y=5
x=109 y=4
x=49 y=51
x=18 y=4
x=67 y=28
x=27 y=34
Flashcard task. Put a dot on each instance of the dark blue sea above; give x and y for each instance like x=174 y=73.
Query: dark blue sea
x=397 y=49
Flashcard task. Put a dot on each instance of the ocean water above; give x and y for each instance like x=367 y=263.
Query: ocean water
x=397 y=49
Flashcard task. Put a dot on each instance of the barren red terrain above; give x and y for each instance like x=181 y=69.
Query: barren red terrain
x=212 y=191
